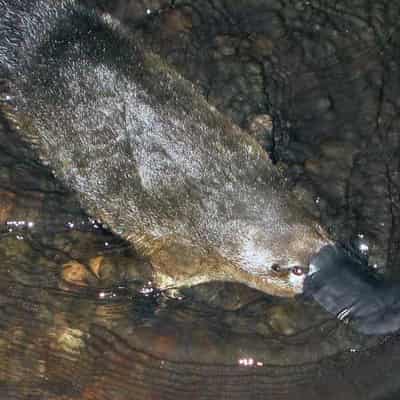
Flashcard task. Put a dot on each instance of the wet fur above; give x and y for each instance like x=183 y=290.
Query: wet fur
x=146 y=153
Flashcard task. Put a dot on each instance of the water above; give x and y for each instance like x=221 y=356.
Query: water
x=103 y=331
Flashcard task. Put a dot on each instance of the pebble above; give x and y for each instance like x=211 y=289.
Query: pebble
x=75 y=273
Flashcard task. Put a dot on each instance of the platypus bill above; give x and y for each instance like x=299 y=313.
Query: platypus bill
x=340 y=282
x=147 y=154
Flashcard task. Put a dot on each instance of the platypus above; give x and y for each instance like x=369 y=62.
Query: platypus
x=146 y=153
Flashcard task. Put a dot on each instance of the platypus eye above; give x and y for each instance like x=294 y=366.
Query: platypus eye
x=275 y=267
x=298 y=270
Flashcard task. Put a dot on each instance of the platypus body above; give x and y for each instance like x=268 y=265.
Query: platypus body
x=146 y=154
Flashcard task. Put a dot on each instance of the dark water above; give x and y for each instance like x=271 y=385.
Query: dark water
x=79 y=321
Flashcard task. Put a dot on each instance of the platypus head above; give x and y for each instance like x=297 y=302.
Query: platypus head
x=273 y=262
x=273 y=254
x=254 y=233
